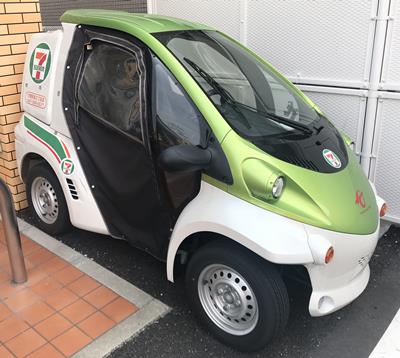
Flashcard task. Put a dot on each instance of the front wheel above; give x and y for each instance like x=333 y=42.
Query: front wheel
x=237 y=296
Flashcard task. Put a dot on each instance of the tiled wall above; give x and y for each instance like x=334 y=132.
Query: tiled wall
x=19 y=19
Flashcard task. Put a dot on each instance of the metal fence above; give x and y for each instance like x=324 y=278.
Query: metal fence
x=52 y=9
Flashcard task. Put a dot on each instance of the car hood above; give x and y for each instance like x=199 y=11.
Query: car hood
x=342 y=201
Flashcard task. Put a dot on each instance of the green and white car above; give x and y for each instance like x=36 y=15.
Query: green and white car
x=174 y=137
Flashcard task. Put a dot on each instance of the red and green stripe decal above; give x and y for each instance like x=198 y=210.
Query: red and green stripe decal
x=55 y=145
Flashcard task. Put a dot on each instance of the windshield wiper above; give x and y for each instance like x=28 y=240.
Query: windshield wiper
x=276 y=118
x=296 y=125
x=225 y=95
x=229 y=99
x=213 y=83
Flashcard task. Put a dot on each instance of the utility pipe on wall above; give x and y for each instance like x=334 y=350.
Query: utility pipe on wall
x=374 y=83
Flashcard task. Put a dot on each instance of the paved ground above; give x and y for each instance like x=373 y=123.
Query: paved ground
x=352 y=332
x=70 y=305
x=59 y=310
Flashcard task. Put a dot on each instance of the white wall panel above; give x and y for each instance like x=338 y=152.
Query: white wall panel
x=385 y=169
x=391 y=67
x=326 y=47
x=314 y=42
x=344 y=107
x=224 y=15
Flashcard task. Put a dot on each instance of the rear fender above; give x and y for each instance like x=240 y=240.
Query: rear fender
x=83 y=210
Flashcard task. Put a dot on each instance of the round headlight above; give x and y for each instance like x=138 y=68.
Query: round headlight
x=277 y=188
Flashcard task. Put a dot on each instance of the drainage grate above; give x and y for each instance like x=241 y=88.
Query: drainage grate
x=72 y=189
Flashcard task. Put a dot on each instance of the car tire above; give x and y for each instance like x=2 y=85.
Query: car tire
x=46 y=200
x=239 y=297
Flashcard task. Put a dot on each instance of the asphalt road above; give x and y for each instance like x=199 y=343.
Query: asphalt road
x=351 y=332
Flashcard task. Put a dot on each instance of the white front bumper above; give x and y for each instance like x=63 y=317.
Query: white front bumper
x=342 y=280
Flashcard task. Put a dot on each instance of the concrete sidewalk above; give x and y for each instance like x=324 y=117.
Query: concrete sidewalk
x=70 y=305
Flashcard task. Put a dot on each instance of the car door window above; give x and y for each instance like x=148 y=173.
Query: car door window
x=111 y=87
x=177 y=119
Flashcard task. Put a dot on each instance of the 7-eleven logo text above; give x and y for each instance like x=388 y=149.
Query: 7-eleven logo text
x=40 y=60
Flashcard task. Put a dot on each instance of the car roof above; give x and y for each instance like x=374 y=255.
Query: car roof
x=129 y=22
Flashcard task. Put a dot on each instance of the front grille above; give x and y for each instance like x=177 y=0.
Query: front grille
x=72 y=189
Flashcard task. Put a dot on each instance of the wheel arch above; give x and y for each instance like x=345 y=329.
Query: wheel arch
x=31 y=159
x=216 y=213
x=28 y=161
x=196 y=240
x=180 y=251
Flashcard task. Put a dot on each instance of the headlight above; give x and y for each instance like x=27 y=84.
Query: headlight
x=277 y=187
x=262 y=181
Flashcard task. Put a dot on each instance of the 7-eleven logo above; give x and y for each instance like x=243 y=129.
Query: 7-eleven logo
x=40 y=63
x=331 y=158
x=67 y=166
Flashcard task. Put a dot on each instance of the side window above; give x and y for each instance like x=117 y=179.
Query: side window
x=177 y=119
x=111 y=87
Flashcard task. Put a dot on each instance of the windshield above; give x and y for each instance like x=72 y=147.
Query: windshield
x=252 y=98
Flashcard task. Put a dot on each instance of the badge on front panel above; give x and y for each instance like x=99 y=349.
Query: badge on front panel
x=331 y=158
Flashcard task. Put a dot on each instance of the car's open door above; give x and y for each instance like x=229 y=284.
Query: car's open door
x=105 y=96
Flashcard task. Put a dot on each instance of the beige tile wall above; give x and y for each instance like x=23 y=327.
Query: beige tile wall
x=19 y=19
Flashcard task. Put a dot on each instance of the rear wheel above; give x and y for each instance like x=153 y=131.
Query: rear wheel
x=240 y=298
x=46 y=200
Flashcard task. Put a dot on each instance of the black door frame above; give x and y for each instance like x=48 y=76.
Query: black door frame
x=73 y=72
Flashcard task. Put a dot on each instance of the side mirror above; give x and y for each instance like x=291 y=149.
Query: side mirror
x=184 y=157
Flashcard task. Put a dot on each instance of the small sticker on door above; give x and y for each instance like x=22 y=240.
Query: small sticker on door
x=67 y=166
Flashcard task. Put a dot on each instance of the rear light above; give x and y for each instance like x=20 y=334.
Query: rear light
x=383 y=210
x=329 y=255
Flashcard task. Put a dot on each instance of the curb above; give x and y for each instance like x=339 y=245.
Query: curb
x=150 y=309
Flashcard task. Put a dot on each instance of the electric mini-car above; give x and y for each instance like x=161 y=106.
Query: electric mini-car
x=178 y=139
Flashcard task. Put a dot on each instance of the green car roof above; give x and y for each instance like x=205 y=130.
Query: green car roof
x=122 y=19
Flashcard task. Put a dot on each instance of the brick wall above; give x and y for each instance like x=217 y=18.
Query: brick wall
x=19 y=19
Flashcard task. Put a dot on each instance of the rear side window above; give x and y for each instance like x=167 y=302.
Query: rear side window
x=111 y=87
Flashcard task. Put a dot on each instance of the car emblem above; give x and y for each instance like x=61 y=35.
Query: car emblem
x=360 y=199
x=363 y=261
x=331 y=158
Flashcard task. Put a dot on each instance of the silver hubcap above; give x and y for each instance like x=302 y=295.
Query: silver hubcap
x=44 y=200
x=228 y=299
